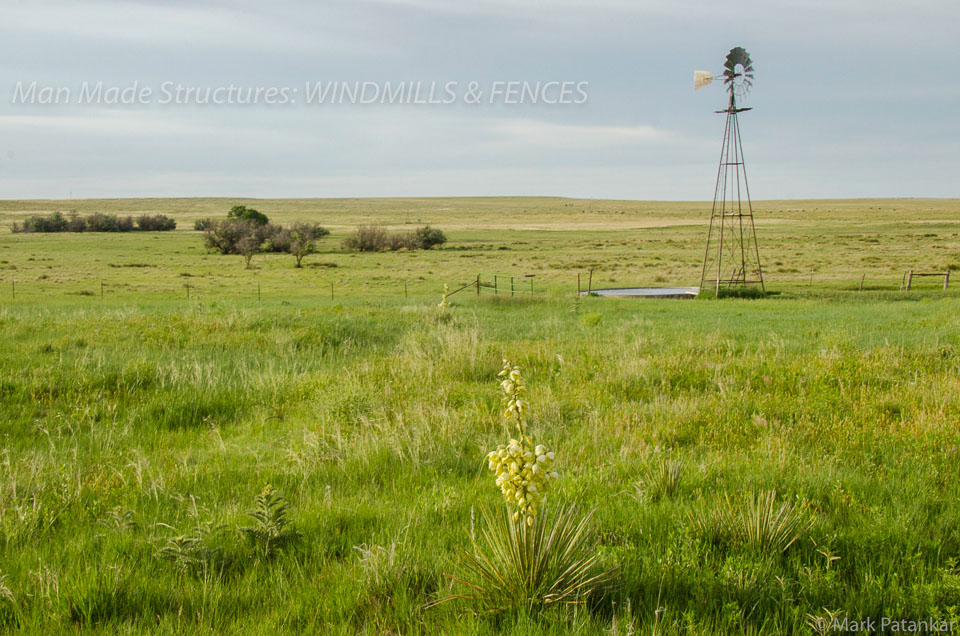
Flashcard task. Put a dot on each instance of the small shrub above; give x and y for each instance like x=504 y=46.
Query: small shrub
x=271 y=530
x=201 y=225
x=55 y=222
x=97 y=222
x=193 y=554
x=155 y=223
x=425 y=238
x=367 y=238
x=373 y=238
x=76 y=223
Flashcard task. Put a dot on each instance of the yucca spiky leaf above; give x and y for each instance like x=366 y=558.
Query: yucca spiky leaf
x=515 y=566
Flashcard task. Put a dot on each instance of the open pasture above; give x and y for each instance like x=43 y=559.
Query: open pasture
x=139 y=427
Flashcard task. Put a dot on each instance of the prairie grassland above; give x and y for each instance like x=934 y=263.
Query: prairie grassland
x=139 y=428
x=804 y=244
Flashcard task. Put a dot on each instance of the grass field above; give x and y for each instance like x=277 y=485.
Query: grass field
x=142 y=423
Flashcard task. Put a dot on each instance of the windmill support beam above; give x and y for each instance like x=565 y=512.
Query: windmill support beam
x=732 y=257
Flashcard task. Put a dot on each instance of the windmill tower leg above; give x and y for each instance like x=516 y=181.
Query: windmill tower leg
x=732 y=257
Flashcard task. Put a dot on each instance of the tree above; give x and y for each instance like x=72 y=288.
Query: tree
x=243 y=213
x=303 y=239
x=248 y=245
x=236 y=237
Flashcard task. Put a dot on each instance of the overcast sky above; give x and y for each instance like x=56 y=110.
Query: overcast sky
x=852 y=98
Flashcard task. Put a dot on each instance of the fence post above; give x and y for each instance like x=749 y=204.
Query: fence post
x=331 y=290
x=101 y=289
x=946 y=280
x=861 y=281
x=590 y=283
x=909 y=279
x=511 y=285
x=188 y=290
x=495 y=284
x=405 y=289
x=578 y=283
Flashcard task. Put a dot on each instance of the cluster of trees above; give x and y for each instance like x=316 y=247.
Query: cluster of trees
x=96 y=222
x=247 y=232
x=373 y=238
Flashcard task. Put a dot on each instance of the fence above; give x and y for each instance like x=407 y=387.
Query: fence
x=907 y=281
x=504 y=284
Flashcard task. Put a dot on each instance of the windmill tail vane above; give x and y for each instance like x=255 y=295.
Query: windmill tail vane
x=701 y=79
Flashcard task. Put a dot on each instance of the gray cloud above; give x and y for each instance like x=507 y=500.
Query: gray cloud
x=853 y=98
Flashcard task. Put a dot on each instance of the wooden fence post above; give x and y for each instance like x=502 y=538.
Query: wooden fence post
x=578 y=283
x=590 y=283
x=946 y=280
x=909 y=279
x=861 y=281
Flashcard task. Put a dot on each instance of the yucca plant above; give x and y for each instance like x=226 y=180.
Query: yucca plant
x=513 y=565
x=757 y=521
x=271 y=529
x=660 y=479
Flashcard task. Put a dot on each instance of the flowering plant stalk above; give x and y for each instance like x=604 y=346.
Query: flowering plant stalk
x=523 y=469
x=443 y=298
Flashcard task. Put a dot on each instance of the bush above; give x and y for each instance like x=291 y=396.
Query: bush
x=76 y=223
x=202 y=224
x=155 y=223
x=100 y=222
x=373 y=238
x=243 y=213
x=368 y=238
x=426 y=237
x=97 y=222
x=55 y=222
x=225 y=235
x=276 y=239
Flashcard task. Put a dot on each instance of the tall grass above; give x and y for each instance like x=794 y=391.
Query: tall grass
x=126 y=427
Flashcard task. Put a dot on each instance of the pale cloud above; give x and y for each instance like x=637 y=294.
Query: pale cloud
x=853 y=97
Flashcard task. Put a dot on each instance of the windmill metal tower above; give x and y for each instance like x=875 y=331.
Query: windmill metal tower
x=732 y=258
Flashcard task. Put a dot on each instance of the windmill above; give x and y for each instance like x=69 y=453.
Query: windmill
x=732 y=258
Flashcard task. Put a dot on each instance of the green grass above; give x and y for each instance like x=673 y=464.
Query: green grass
x=142 y=421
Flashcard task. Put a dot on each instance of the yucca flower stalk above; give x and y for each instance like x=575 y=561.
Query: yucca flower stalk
x=524 y=469
x=443 y=298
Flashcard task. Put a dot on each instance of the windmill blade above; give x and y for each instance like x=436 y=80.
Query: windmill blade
x=701 y=79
